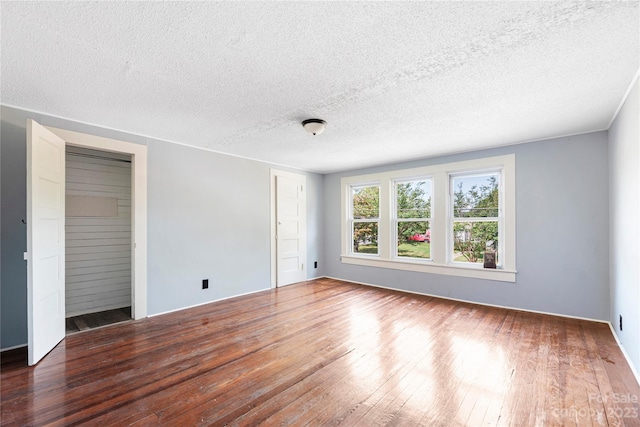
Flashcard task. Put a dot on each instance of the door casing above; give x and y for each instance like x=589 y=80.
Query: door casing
x=138 y=154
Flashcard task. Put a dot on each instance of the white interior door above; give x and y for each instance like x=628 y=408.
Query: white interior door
x=45 y=240
x=291 y=229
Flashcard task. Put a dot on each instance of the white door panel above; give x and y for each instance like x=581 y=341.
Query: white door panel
x=290 y=229
x=45 y=240
x=289 y=245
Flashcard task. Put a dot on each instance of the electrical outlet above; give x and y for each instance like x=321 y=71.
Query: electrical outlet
x=205 y=283
x=315 y=264
x=621 y=322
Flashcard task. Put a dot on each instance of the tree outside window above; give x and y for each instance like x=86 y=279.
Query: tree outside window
x=365 y=218
x=413 y=218
x=437 y=219
x=476 y=216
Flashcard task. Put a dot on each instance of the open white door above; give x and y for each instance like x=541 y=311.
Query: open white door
x=291 y=229
x=45 y=240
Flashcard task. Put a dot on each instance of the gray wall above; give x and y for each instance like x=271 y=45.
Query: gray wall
x=561 y=228
x=202 y=206
x=13 y=233
x=624 y=166
x=208 y=217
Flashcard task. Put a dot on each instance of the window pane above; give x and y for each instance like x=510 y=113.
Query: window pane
x=366 y=202
x=365 y=237
x=476 y=196
x=413 y=199
x=414 y=239
x=471 y=239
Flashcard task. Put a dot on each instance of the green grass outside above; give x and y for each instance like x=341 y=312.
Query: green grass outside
x=462 y=258
x=414 y=250
x=367 y=249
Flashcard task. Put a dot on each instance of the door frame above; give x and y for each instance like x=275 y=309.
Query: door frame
x=273 y=173
x=138 y=154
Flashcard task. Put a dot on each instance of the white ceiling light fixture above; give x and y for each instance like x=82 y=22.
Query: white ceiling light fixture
x=314 y=126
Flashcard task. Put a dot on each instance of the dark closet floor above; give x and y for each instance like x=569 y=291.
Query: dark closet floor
x=95 y=320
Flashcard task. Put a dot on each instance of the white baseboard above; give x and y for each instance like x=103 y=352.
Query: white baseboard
x=624 y=353
x=472 y=302
x=207 y=302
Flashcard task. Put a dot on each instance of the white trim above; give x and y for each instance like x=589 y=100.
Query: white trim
x=156 y=138
x=290 y=284
x=471 y=302
x=440 y=189
x=207 y=302
x=399 y=163
x=624 y=99
x=327 y=172
x=273 y=261
x=452 y=219
x=15 y=347
x=138 y=154
x=624 y=353
x=428 y=267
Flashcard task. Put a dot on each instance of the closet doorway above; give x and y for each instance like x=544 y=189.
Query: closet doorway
x=98 y=238
x=46 y=213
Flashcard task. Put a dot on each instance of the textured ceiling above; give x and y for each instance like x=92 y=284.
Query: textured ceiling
x=394 y=80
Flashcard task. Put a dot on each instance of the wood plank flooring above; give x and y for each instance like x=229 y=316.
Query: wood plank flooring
x=328 y=352
x=97 y=320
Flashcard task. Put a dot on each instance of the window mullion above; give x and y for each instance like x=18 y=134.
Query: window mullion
x=384 y=227
x=439 y=215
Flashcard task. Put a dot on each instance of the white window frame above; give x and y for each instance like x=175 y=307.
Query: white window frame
x=441 y=205
x=397 y=220
x=452 y=219
x=352 y=221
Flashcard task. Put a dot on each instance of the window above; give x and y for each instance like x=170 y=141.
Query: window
x=476 y=220
x=365 y=218
x=437 y=219
x=413 y=218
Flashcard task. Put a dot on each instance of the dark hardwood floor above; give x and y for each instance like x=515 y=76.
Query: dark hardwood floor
x=328 y=352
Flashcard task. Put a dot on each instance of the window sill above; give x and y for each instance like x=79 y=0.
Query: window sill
x=501 y=275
